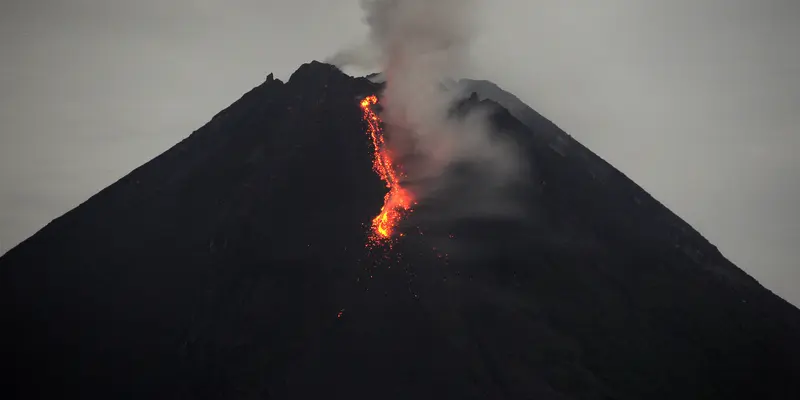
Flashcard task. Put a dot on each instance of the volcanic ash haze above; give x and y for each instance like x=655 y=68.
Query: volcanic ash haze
x=419 y=44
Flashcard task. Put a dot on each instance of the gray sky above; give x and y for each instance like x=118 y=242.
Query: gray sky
x=698 y=101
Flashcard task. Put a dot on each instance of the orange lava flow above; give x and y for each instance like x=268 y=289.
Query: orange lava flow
x=397 y=201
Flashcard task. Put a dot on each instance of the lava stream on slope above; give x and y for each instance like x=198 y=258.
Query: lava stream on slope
x=398 y=200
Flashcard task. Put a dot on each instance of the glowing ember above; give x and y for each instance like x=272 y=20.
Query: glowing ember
x=398 y=200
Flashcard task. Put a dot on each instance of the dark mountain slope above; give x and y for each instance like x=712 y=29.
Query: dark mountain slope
x=595 y=173
x=233 y=266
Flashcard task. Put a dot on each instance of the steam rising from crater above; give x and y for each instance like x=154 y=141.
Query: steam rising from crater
x=419 y=45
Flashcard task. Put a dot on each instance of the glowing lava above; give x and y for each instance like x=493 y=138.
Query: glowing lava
x=398 y=201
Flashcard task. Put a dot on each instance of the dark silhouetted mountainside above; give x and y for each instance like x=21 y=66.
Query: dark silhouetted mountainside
x=233 y=266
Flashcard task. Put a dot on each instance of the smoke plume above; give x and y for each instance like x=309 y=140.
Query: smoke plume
x=419 y=45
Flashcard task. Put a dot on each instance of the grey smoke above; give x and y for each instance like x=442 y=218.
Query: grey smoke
x=418 y=45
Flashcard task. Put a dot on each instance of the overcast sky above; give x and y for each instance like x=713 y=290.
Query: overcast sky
x=698 y=101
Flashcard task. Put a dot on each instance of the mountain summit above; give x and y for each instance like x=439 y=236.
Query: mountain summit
x=234 y=266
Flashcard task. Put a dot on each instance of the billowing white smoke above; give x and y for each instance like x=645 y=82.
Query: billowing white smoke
x=418 y=45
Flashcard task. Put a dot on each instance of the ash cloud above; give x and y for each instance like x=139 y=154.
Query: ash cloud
x=419 y=45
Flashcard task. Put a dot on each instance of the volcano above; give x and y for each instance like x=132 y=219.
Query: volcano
x=234 y=266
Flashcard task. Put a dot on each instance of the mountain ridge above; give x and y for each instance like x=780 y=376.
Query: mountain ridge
x=233 y=266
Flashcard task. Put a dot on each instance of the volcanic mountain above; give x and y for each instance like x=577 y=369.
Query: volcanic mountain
x=234 y=266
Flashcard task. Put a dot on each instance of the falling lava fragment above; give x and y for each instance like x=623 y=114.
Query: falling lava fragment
x=398 y=200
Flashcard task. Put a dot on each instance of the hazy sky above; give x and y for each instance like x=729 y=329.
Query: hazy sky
x=698 y=101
